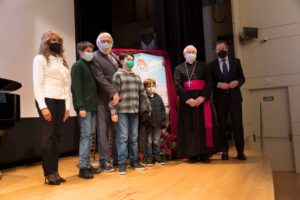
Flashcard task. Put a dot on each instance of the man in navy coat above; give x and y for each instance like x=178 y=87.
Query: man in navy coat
x=227 y=75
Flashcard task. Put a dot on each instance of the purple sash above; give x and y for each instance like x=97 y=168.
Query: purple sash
x=199 y=85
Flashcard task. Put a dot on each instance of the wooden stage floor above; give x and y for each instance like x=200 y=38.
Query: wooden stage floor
x=219 y=180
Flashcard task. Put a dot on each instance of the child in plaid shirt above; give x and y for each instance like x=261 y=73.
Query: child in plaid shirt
x=126 y=113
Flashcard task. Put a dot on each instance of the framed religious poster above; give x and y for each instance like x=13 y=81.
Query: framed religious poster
x=152 y=64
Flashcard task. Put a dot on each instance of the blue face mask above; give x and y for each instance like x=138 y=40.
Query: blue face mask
x=129 y=64
x=190 y=57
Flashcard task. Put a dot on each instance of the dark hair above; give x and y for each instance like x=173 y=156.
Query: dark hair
x=122 y=56
x=222 y=42
x=81 y=46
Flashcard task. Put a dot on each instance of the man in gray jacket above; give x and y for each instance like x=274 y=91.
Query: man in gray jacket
x=104 y=65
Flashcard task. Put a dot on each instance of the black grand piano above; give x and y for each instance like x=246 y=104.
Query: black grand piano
x=9 y=105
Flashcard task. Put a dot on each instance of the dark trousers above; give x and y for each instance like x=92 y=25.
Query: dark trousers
x=50 y=134
x=234 y=110
x=142 y=138
x=106 y=135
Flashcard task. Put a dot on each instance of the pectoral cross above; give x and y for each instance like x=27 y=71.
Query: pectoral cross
x=189 y=83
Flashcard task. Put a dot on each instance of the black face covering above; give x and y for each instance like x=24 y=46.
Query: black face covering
x=222 y=54
x=55 y=47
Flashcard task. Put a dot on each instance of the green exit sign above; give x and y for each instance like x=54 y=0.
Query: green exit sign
x=268 y=98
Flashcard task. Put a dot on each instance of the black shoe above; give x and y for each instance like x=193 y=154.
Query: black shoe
x=107 y=167
x=241 y=157
x=158 y=160
x=193 y=159
x=85 y=173
x=62 y=180
x=122 y=169
x=204 y=159
x=51 y=180
x=225 y=156
x=94 y=170
x=137 y=166
x=149 y=161
x=57 y=176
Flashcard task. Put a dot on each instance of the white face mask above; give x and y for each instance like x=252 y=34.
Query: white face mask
x=87 y=56
x=150 y=90
x=190 y=57
x=105 y=47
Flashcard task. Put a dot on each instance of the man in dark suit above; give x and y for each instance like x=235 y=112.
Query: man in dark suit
x=227 y=75
x=105 y=64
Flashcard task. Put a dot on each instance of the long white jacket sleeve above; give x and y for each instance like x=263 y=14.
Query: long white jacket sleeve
x=51 y=80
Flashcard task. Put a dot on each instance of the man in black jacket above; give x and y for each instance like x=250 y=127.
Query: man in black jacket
x=227 y=75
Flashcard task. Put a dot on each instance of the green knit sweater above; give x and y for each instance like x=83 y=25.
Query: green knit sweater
x=84 y=89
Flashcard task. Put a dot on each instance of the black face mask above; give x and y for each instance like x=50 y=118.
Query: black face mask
x=55 y=47
x=222 y=54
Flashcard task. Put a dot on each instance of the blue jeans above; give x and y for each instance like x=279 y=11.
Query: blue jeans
x=153 y=145
x=87 y=128
x=127 y=133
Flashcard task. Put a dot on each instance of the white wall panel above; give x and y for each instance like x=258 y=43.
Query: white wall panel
x=22 y=22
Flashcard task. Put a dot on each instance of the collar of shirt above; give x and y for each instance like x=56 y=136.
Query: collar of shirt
x=125 y=71
x=221 y=60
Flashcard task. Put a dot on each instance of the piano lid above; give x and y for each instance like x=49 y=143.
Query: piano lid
x=9 y=85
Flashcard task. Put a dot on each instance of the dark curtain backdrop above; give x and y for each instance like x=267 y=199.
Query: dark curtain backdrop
x=179 y=23
x=91 y=18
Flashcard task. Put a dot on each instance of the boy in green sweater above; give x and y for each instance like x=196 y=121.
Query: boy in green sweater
x=84 y=92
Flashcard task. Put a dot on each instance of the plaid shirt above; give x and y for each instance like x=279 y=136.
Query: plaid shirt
x=130 y=89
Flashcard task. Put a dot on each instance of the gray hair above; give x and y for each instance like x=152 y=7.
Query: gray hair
x=188 y=46
x=103 y=34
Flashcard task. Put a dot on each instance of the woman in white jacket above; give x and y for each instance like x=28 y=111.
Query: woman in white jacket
x=51 y=81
